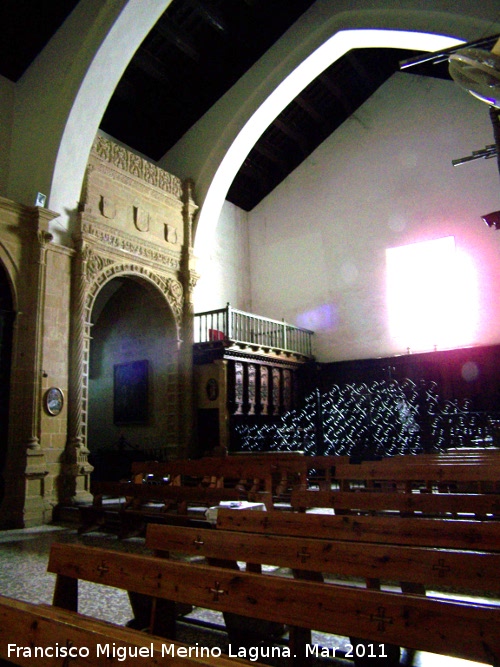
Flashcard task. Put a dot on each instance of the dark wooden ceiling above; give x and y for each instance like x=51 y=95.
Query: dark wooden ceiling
x=193 y=55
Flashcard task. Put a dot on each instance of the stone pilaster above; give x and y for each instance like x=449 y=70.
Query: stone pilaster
x=76 y=468
x=36 y=507
x=188 y=278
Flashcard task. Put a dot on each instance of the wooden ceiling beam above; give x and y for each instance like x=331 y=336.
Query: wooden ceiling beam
x=292 y=134
x=267 y=150
x=311 y=111
x=336 y=92
x=210 y=15
x=177 y=38
x=153 y=67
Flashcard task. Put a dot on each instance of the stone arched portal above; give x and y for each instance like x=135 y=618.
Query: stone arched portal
x=133 y=386
x=6 y=334
x=135 y=221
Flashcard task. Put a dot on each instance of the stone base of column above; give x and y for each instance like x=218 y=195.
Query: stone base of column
x=37 y=509
x=74 y=486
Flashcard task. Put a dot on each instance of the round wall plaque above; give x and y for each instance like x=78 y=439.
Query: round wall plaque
x=53 y=401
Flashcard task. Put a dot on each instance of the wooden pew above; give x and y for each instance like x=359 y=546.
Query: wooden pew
x=288 y=469
x=375 y=548
x=463 y=630
x=479 y=474
x=423 y=504
x=436 y=532
x=174 y=486
x=416 y=564
x=59 y=637
x=144 y=503
x=215 y=472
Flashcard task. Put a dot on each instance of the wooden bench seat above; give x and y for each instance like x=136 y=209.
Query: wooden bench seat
x=50 y=636
x=374 y=548
x=466 y=630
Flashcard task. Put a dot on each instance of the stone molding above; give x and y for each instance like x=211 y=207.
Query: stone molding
x=137 y=167
x=101 y=269
x=113 y=241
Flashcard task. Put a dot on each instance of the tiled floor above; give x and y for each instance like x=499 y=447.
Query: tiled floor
x=23 y=575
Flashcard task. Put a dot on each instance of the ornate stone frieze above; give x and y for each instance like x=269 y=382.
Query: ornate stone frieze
x=137 y=166
x=123 y=242
x=175 y=291
x=143 y=188
x=96 y=263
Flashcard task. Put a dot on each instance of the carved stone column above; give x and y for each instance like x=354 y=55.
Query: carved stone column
x=75 y=487
x=188 y=277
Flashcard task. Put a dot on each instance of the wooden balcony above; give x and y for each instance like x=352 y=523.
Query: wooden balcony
x=232 y=328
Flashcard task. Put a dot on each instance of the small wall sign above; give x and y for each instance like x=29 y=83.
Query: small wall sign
x=212 y=389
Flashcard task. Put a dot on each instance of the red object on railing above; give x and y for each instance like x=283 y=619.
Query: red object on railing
x=214 y=334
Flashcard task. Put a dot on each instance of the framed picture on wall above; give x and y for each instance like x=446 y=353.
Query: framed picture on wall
x=130 y=393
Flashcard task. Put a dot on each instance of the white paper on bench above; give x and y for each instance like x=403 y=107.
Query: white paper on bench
x=211 y=513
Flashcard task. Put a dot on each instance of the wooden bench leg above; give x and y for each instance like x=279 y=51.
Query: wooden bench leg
x=66 y=593
x=163 y=615
x=299 y=638
x=374 y=654
x=245 y=632
x=141 y=608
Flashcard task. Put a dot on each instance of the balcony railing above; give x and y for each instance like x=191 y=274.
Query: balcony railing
x=235 y=326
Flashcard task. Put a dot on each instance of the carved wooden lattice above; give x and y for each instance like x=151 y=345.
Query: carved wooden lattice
x=381 y=419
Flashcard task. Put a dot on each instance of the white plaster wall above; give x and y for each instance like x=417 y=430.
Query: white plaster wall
x=7 y=89
x=225 y=270
x=384 y=179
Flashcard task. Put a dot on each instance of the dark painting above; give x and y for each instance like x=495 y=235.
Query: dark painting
x=131 y=393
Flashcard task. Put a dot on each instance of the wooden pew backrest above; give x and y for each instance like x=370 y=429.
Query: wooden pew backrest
x=27 y=626
x=446 y=533
x=431 y=567
x=461 y=630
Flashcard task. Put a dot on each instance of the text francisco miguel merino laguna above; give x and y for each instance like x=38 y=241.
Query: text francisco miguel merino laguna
x=121 y=653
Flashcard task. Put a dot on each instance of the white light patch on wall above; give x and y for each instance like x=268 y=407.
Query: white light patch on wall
x=432 y=296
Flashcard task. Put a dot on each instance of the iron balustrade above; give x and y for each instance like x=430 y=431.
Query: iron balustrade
x=236 y=326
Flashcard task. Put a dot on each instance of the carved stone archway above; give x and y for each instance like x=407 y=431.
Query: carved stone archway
x=136 y=221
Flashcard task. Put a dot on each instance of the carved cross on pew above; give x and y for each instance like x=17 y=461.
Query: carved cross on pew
x=103 y=569
x=303 y=554
x=441 y=567
x=216 y=590
x=379 y=618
